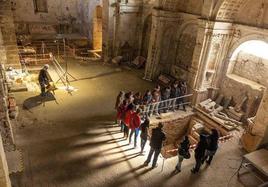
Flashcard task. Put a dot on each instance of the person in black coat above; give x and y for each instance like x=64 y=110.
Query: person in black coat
x=183 y=152
x=44 y=79
x=144 y=133
x=212 y=146
x=157 y=139
x=183 y=92
x=200 y=153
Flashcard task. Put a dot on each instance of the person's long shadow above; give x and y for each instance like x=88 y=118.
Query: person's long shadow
x=124 y=178
x=37 y=100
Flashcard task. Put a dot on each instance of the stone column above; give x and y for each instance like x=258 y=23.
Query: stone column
x=200 y=60
x=257 y=133
x=154 y=47
x=210 y=65
x=108 y=29
x=221 y=61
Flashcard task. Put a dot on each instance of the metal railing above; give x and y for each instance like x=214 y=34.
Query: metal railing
x=165 y=105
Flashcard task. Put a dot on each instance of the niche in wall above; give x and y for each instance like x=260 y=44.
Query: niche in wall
x=40 y=6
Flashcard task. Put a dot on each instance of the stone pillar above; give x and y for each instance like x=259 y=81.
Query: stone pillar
x=212 y=59
x=257 y=133
x=8 y=34
x=108 y=13
x=4 y=173
x=154 y=47
x=199 y=60
x=97 y=28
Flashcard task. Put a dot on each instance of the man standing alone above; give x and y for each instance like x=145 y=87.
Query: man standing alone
x=44 y=79
x=156 y=144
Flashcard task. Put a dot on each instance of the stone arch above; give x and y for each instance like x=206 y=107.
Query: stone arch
x=226 y=10
x=146 y=33
x=238 y=43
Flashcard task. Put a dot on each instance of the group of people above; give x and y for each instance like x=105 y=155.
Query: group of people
x=130 y=120
x=133 y=111
x=204 y=151
x=154 y=101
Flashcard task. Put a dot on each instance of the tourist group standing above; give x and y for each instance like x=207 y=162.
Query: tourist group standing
x=133 y=111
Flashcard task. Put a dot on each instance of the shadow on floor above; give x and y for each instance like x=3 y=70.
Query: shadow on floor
x=124 y=178
x=99 y=75
x=37 y=100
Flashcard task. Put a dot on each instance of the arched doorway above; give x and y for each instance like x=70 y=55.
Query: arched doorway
x=247 y=75
x=250 y=61
x=97 y=28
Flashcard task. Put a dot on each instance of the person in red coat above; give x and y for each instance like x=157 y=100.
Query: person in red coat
x=118 y=103
x=127 y=116
x=134 y=125
x=120 y=111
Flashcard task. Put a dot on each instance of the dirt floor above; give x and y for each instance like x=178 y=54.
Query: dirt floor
x=74 y=142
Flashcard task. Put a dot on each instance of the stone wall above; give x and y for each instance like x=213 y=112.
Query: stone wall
x=4 y=174
x=97 y=28
x=185 y=45
x=63 y=16
x=188 y=6
x=254 y=13
x=237 y=87
x=86 y=11
x=28 y=21
x=251 y=67
x=146 y=33
x=8 y=36
x=246 y=74
x=128 y=29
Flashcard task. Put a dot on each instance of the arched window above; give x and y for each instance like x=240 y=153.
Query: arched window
x=40 y=6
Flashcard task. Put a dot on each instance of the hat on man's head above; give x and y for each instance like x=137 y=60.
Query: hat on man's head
x=46 y=66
